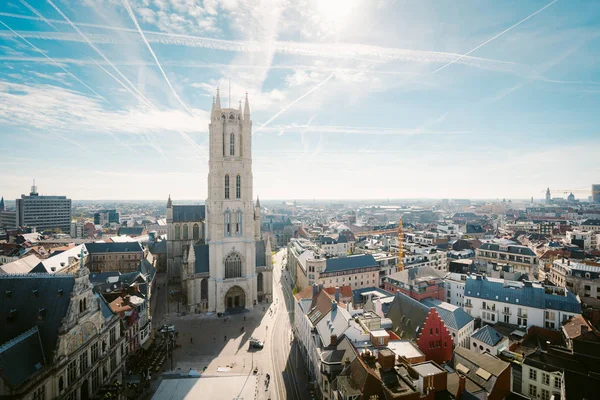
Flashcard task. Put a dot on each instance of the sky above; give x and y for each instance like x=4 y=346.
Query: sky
x=350 y=99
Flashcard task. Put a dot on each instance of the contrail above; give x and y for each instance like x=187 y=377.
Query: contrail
x=36 y=12
x=495 y=37
x=57 y=64
x=140 y=96
x=135 y=22
x=40 y=16
x=284 y=109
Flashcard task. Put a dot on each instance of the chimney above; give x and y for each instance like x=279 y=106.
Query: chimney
x=320 y=287
x=315 y=290
x=461 y=386
x=347 y=362
x=584 y=329
x=568 y=262
x=333 y=306
x=386 y=359
x=333 y=339
x=337 y=294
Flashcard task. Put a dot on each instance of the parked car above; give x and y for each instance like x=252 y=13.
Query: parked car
x=256 y=344
x=166 y=328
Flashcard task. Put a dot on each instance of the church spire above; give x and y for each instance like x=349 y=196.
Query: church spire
x=246 y=109
x=240 y=109
x=169 y=202
x=218 y=101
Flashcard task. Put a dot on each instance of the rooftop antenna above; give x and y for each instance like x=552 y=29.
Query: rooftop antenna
x=229 y=92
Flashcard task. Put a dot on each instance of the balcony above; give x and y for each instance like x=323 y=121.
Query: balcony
x=506 y=312
x=470 y=305
x=522 y=314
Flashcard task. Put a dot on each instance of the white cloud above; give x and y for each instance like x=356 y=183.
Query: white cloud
x=51 y=107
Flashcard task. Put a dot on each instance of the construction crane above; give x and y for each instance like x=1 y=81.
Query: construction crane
x=400 y=250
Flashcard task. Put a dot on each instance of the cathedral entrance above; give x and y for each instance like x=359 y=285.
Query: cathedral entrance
x=235 y=298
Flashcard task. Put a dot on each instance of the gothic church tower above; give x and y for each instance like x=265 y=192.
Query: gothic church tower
x=230 y=212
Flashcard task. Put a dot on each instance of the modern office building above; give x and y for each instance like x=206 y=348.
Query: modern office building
x=104 y=217
x=596 y=193
x=44 y=212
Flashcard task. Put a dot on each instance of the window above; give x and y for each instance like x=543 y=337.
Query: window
x=507 y=319
x=72 y=372
x=232 y=144
x=227 y=223
x=185 y=232
x=83 y=362
x=545 y=378
x=532 y=374
x=233 y=266
x=196 y=232
x=238 y=187
x=113 y=361
x=39 y=393
x=113 y=336
x=226 y=186
x=95 y=379
x=95 y=352
x=177 y=232
x=532 y=391
x=545 y=394
x=238 y=222
x=557 y=382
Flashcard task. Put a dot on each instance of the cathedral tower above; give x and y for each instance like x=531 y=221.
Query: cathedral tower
x=230 y=210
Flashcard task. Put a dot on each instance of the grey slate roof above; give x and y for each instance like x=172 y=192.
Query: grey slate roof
x=28 y=294
x=201 y=266
x=131 y=230
x=21 y=358
x=529 y=296
x=358 y=299
x=350 y=262
x=520 y=250
x=590 y=222
x=487 y=335
x=454 y=317
x=261 y=257
x=183 y=213
x=125 y=247
x=158 y=247
x=407 y=315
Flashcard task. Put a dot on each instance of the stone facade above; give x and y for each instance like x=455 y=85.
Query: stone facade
x=228 y=265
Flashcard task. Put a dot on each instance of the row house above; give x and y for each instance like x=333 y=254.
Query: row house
x=357 y=271
x=457 y=321
x=519 y=303
x=418 y=283
x=58 y=339
x=415 y=321
x=122 y=257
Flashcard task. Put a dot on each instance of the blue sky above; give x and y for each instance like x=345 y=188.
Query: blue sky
x=349 y=98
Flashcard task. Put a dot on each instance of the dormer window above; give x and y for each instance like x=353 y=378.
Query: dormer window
x=7 y=294
x=41 y=313
x=34 y=293
x=12 y=315
x=59 y=293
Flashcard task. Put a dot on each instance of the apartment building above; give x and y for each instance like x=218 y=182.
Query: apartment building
x=122 y=257
x=418 y=283
x=457 y=321
x=519 y=303
x=581 y=278
x=44 y=212
x=521 y=258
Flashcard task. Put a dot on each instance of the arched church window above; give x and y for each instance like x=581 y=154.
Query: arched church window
x=84 y=304
x=259 y=282
x=227 y=223
x=238 y=187
x=232 y=144
x=177 y=232
x=226 y=186
x=233 y=266
x=231 y=116
x=196 y=232
x=238 y=222
x=185 y=232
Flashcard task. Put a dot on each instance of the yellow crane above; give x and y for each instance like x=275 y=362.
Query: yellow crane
x=400 y=250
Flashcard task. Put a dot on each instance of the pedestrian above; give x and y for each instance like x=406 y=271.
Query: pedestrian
x=244 y=317
x=191 y=339
x=225 y=339
x=214 y=339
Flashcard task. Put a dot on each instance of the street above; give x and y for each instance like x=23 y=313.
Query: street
x=219 y=347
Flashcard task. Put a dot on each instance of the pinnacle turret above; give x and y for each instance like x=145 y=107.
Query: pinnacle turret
x=246 y=109
x=218 y=102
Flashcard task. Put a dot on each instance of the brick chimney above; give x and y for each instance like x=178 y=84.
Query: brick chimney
x=333 y=339
x=462 y=381
x=386 y=359
x=315 y=291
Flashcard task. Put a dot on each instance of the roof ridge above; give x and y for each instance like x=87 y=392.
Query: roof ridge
x=31 y=275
